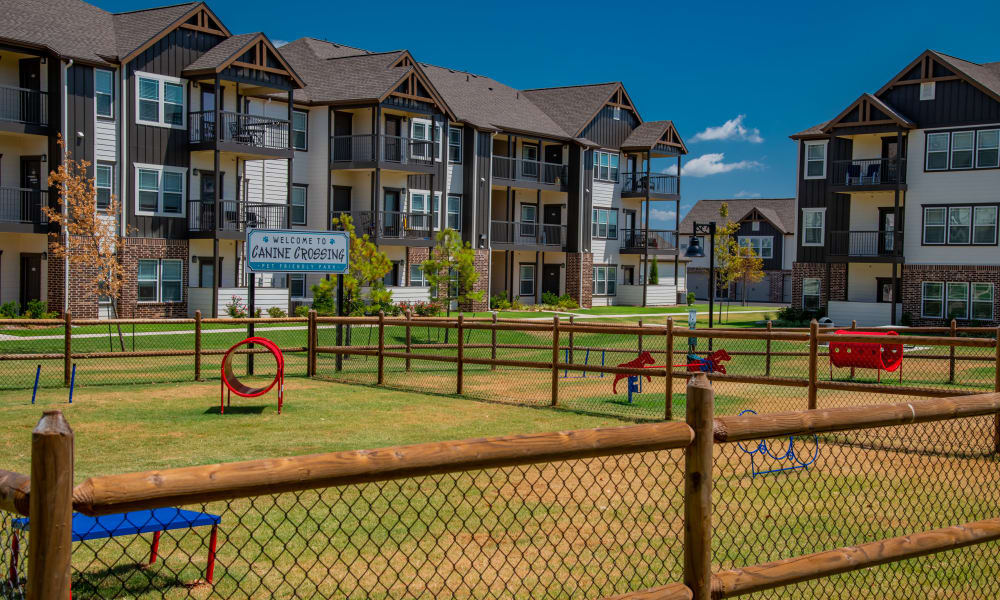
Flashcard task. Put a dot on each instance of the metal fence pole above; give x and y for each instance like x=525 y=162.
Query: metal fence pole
x=381 y=347
x=570 y=361
x=813 y=351
x=197 y=345
x=767 y=360
x=461 y=355
x=668 y=399
x=640 y=337
x=409 y=319
x=493 y=341
x=311 y=338
x=698 y=488
x=50 y=508
x=996 y=388
x=67 y=348
x=951 y=353
x=555 y=360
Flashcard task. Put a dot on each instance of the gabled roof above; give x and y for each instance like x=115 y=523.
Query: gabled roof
x=65 y=28
x=868 y=110
x=228 y=52
x=650 y=134
x=985 y=76
x=137 y=30
x=816 y=131
x=780 y=212
x=574 y=107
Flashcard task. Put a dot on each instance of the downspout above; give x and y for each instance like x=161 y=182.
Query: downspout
x=123 y=151
x=65 y=125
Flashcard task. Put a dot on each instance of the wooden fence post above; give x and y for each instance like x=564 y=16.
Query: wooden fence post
x=668 y=399
x=951 y=353
x=813 y=352
x=67 y=348
x=50 y=508
x=461 y=355
x=493 y=341
x=381 y=347
x=570 y=361
x=698 y=488
x=197 y=345
x=409 y=319
x=311 y=339
x=640 y=337
x=555 y=360
x=767 y=360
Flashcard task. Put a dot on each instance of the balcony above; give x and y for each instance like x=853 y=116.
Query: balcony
x=868 y=174
x=21 y=209
x=508 y=235
x=658 y=241
x=866 y=246
x=23 y=110
x=660 y=187
x=235 y=217
x=387 y=226
x=393 y=152
x=530 y=173
x=252 y=135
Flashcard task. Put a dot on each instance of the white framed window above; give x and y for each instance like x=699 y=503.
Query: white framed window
x=815 y=160
x=988 y=148
x=605 y=280
x=297 y=285
x=417 y=278
x=811 y=293
x=813 y=226
x=961 y=149
x=529 y=213
x=957 y=300
x=605 y=165
x=420 y=134
x=616 y=114
x=160 y=190
x=300 y=194
x=932 y=299
x=984 y=225
x=937 y=152
x=982 y=301
x=927 y=90
x=935 y=218
x=159 y=100
x=526 y=280
x=454 y=208
x=455 y=145
x=104 y=183
x=300 y=130
x=959 y=224
x=755 y=226
x=604 y=223
x=160 y=280
x=104 y=93
x=762 y=246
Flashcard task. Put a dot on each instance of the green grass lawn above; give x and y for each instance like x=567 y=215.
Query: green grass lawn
x=658 y=310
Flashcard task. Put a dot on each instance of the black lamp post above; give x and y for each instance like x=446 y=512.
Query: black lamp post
x=696 y=251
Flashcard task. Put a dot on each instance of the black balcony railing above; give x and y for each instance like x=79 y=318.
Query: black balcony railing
x=391 y=224
x=394 y=149
x=249 y=130
x=519 y=233
x=636 y=184
x=519 y=169
x=21 y=105
x=235 y=216
x=22 y=205
x=862 y=244
x=655 y=239
x=869 y=171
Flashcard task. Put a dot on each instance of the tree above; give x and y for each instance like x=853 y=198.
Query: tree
x=654 y=273
x=724 y=234
x=368 y=265
x=737 y=263
x=452 y=267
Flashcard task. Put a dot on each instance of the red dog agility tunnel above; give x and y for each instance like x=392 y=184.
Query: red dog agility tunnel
x=235 y=386
x=865 y=355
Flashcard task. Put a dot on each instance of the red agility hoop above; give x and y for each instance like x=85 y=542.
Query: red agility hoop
x=235 y=386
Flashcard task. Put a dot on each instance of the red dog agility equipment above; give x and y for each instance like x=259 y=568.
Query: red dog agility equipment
x=867 y=355
x=239 y=388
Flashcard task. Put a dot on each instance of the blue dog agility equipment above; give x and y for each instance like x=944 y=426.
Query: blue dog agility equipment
x=789 y=454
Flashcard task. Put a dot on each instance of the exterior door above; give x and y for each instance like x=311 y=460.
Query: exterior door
x=628 y=229
x=552 y=217
x=887 y=228
x=206 y=272
x=628 y=275
x=529 y=160
x=207 y=113
x=31 y=278
x=206 y=208
x=883 y=289
x=28 y=103
x=343 y=142
x=29 y=204
x=553 y=154
x=393 y=142
x=391 y=217
x=550 y=279
x=890 y=152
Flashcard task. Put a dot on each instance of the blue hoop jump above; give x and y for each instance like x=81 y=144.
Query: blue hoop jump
x=789 y=454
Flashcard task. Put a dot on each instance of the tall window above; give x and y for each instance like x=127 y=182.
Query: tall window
x=454 y=145
x=982 y=301
x=957 y=301
x=988 y=149
x=104 y=177
x=984 y=225
x=960 y=225
x=813 y=226
x=932 y=299
x=420 y=132
x=934 y=224
x=815 y=160
x=762 y=246
x=297 y=285
x=417 y=276
x=299 y=196
x=159 y=100
x=605 y=165
x=810 y=293
x=160 y=280
x=160 y=190
x=604 y=223
x=961 y=149
x=104 y=93
x=455 y=212
x=300 y=129
x=526 y=278
x=937 y=152
x=605 y=280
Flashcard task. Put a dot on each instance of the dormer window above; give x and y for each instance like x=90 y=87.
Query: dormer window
x=927 y=90
x=617 y=113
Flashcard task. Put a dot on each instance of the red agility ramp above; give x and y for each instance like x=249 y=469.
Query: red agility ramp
x=867 y=355
x=235 y=386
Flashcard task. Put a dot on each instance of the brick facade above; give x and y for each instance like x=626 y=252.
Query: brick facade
x=82 y=299
x=582 y=290
x=832 y=288
x=142 y=248
x=482 y=264
x=914 y=276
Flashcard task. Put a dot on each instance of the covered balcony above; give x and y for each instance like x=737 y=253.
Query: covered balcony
x=24 y=110
x=369 y=150
x=868 y=174
x=242 y=133
x=534 y=173
x=659 y=187
x=386 y=226
x=520 y=235
x=866 y=246
x=231 y=219
x=659 y=242
x=21 y=209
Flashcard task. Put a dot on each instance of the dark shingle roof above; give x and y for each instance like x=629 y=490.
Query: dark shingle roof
x=221 y=52
x=68 y=28
x=345 y=78
x=985 y=74
x=135 y=28
x=814 y=131
x=572 y=107
x=648 y=134
x=780 y=211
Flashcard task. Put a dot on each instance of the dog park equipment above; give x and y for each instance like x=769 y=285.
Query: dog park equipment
x=235 y=386
x=710 y=363
x=38 y=373
x=586 y=359
x=72 y=382
x=764 y=451
x=129 y=523
x=867 y=355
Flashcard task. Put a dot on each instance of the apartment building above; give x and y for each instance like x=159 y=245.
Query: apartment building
x=897 y=200
x=203 y=134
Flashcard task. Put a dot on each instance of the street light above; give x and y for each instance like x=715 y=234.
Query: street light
x=696 y=251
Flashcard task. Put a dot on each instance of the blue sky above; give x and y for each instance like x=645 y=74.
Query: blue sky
x=761 y=71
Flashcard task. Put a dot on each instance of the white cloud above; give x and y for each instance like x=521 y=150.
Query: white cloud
x=733 y=129
x=279 y=43
x=713 y=164
x=662 y=215
x=746 y=194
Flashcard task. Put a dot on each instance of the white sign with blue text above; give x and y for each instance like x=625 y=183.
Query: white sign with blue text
x=297 y=251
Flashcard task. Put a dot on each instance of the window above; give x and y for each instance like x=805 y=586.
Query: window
x=755 y=226
x=605 y=280
x=961 y=149
x=159 y=190
x=529 y=213
x=604 y=223
x=300 y=129
x=957 y=302
x=454 y=145
x=932 y=299
x=959 y=224
x=982 y=301
x=420 y=132
x=454 y=208
x=810 y=293
x=605 y=166
x=104 y=93
x=299 y=195
x=762 y=246
x=984 y=225
x=937 y=152
x=160 y=280
x=616 y=114
x=417 y=276
x=927 y=90
x=813 y=226
x=987 y=147
x=297 y=286
x=159 y=100
x=527 y=280
x=934 y=224
x=104 y=183
x=815 y=160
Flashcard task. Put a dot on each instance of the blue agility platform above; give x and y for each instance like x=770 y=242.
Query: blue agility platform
x=793 y=459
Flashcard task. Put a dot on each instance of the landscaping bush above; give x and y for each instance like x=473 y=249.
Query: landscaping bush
x=499 y=302
x=550 y=298
x=566 y=302
x=690 y=298
x=302 y=310
x=426 y=309
x=35 y=309
x=235 y=308
x=790 y=316
x=276 y=313
x=654 y=272
x=10 y=310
